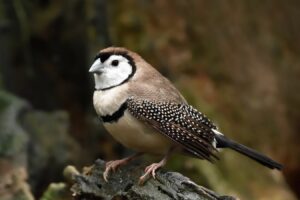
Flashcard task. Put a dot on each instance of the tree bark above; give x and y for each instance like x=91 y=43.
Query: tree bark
x=123 y=184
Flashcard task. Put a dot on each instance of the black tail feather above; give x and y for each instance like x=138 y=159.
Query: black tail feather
x=223 y=142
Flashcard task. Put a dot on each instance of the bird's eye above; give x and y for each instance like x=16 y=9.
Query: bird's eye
x=115 y=63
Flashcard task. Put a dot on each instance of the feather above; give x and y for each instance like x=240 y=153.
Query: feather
x=178 y=121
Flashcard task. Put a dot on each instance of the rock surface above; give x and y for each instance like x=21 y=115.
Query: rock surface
x=123 y=184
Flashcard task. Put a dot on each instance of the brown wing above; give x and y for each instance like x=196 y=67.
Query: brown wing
x=180 y=122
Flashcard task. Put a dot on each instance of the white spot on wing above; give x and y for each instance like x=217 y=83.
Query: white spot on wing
x=215 y=141
x=217 y=132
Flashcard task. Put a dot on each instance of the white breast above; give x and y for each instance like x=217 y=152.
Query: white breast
x=106 y=102
x=135 y=135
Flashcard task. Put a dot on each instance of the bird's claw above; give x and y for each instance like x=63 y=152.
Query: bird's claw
x=150 y=170
x=112 y=166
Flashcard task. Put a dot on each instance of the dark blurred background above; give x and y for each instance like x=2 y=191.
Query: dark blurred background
x=236 y=61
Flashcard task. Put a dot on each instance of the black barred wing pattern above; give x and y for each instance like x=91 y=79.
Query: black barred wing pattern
x=180 y=122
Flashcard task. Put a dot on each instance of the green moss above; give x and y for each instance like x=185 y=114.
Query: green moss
x=12 y=136
x=56 y=191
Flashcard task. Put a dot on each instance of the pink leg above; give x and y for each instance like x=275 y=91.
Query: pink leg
x=114 y=164
x=151 y=169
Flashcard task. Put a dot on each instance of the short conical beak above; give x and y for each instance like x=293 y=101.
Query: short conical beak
x=96 y=66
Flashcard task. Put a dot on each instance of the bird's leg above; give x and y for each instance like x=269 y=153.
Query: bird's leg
x=151 y=169
x=114 y=164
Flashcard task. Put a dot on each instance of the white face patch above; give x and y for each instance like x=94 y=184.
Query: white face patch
x=114 y=71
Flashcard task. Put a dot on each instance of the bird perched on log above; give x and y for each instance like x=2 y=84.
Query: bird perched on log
x=143 y=111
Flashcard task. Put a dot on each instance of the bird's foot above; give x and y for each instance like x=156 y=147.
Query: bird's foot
x=151 y=170
x=114 y=164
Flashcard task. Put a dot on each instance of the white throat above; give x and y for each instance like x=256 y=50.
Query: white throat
x=108 y=75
